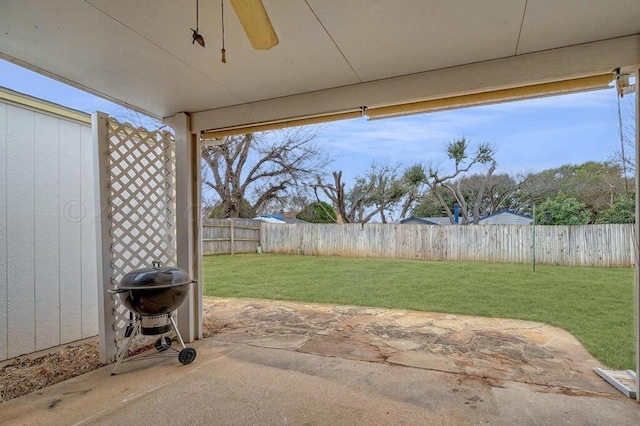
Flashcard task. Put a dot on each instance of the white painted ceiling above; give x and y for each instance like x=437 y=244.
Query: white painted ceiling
x=139 y=52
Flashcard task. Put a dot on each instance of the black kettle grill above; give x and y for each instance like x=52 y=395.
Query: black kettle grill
x=151 y=295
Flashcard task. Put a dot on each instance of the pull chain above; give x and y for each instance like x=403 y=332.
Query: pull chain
x=196 y=36
x=224 y=52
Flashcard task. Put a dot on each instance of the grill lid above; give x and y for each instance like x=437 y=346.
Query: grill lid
x=147 y=278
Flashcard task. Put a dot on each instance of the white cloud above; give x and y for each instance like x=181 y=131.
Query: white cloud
x=529 y=135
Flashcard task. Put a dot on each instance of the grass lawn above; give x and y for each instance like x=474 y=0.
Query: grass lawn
x=594 y=304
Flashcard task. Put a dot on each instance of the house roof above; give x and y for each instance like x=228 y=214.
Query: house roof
x=11 y=96
x=446 y=221
x=334 y=56
x=505 y=212
x=428 y=220
x=278 y=218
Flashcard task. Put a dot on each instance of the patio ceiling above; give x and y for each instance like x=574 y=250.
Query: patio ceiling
x=333 y=56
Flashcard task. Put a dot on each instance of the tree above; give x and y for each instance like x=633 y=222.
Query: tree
x=296 y=200
x=458 y=151
x=562 y=210
x=499 y=192
x=623 y=210
x=429 y=206
x=595 y=184
x=381 y=189
x=375 y=192
x=534 y=188
x=414 y=179
x=625 y=154
x=218 y=211
x=261 y=168
x=318 y=212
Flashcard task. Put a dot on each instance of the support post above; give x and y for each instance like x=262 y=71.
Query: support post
x=107 y=334
x=188 y=241
x=637 y=235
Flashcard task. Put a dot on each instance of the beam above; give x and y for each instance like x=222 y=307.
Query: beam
x=188 y=223
x=516 y=71
x=498 y=96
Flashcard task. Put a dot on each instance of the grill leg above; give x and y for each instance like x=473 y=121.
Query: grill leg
x=125 y=350
x=173 y=323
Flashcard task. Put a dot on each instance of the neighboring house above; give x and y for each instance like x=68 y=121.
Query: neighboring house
x=503 y=217
x=294 y=220
x=506 y=217
x=278 y=218
x=414 y=220
x=48 y=269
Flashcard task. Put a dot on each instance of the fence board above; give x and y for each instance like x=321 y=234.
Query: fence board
x=229 y=236
x=585 y=245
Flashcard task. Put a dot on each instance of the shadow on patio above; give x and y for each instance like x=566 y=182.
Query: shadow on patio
x=294 y=363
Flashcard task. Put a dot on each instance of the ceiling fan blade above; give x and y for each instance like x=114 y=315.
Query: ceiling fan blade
x=256 y=23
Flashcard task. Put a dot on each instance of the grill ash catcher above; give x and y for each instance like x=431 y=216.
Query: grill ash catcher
x=152 y=295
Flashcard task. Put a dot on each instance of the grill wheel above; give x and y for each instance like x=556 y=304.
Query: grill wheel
x=186 y=356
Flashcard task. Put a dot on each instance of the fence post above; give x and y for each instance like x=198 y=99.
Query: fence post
x=533 y=243
x=107 y=334
x=231 y=237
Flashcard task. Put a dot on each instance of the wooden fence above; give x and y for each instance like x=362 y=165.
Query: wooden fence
x=229 y=236
x=587 y=245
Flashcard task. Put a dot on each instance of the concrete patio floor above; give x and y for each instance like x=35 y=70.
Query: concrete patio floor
x=292 y=363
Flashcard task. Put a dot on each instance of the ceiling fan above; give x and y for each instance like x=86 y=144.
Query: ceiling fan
x=254 y=20
x=256 y=23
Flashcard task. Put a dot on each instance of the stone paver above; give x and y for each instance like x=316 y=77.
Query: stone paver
x=288 y=363
x=285 y=341
x=425 y=361
x=501 y=349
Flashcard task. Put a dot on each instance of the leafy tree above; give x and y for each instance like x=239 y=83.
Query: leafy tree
x=374 y=192
x=245 y=210
x=414 y=179
x=623 y=210
x=261 y=168
x=318 y=212
x=458 y=151
x=594 y=184
x=534 y=188
x=295 y=201
x=429 y=206
x=499 y=192
x=562 y=210
x=382 y=191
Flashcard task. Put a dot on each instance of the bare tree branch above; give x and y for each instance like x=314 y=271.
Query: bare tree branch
x=255 y=170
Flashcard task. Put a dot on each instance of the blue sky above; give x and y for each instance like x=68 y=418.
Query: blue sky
x=529 y=135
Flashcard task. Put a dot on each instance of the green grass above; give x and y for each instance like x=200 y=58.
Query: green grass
x=594 y=304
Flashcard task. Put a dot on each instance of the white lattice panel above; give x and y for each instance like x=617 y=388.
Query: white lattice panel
x=141 y=204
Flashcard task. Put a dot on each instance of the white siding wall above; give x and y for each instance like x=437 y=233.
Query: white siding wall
x=4 y=302
x=48 y=293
